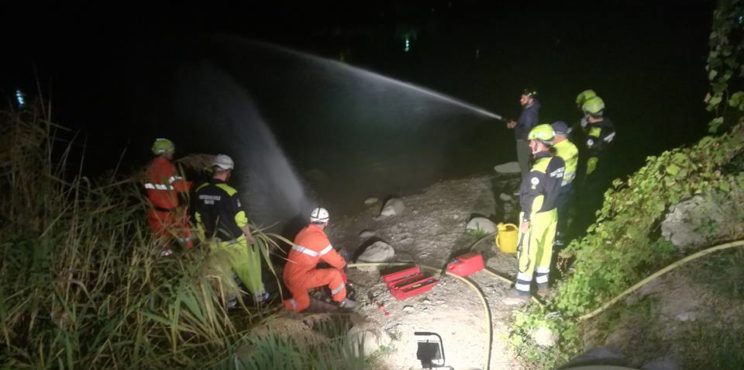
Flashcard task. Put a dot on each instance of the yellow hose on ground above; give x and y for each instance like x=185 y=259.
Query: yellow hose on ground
x=471 y=284
x=484 y=237
x=663 y=271
x=486 y=309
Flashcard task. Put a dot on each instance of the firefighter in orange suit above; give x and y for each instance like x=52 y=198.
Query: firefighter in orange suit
x=163 y=182
x=311 y=246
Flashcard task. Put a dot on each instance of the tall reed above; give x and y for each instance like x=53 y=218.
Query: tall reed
x=81 y=281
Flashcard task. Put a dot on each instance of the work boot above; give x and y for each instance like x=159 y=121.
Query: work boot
x=232 y=303
x=261 y=297
x=543 y=290
x=348 y=304
x=558 y=244
x=516 y=297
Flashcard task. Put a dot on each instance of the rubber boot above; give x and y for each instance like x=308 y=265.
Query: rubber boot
x=515 y=297
x=347 y=304
x=543 y=290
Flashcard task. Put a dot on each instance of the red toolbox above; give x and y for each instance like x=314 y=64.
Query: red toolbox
x=408 y=282
x=466 y=265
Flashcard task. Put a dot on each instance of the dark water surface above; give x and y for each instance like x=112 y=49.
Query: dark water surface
x=346 y=134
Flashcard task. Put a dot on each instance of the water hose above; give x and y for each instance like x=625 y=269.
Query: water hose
x=471 y=284
x=487 y=236
x=486 y=309
x=663 y=271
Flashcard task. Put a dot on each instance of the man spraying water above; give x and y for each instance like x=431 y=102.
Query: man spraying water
x=522 y=126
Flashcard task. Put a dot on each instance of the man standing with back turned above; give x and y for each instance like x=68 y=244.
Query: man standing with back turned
x=223 y=220
x=167 y=220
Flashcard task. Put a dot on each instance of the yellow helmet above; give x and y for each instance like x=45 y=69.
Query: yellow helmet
x=162 y=145
x=543 y=132
x=594 y=106
x=584 y=96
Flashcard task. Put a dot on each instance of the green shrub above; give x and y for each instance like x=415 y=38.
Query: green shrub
x=623 y=246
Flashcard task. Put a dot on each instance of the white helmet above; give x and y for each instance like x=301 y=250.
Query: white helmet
x=319 y=215
x=223 y=162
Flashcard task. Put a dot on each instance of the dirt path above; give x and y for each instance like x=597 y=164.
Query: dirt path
x=431 y=230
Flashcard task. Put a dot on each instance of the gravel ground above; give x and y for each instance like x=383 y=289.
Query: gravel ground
x=430 y=231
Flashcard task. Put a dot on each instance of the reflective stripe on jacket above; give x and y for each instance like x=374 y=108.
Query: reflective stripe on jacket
x=163 y=183
x=570 y=155
x=311 y=245
x=539 y=190
x=218 y=210
x=599 y=136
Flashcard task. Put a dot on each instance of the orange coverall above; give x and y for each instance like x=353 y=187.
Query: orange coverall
x=311 y=245
x=166 y=220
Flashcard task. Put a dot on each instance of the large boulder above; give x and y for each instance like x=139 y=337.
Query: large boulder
x=368 y=339
x=377 y=252
x=681 y=225
x=367 y=234
x=393 y=207
x=481 y=225
x=508 y=169
x=704 y=220
x=544 y=337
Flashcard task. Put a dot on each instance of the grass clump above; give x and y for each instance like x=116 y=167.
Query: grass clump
x=82 y=284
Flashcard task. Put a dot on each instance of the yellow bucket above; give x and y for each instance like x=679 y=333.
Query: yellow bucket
x=506 y=239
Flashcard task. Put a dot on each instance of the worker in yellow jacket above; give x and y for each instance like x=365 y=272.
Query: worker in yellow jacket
x=565 y=149
x=538 y=194
x=222 y=220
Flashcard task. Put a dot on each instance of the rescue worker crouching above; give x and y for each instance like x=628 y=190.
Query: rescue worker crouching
x=224 y=223
x=167 y=219
x=538 y=194
x=311 y=246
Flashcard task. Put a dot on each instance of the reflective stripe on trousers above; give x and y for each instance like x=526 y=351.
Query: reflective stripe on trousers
x=290 y=304
x=338 y=289
x=536 y=250
x=298 y=285
x=541 y=275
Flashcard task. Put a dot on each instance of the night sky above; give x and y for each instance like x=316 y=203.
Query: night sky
x=110 y=69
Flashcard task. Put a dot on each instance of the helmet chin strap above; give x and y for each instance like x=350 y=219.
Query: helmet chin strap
x=534 y=148
x=537 y=148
